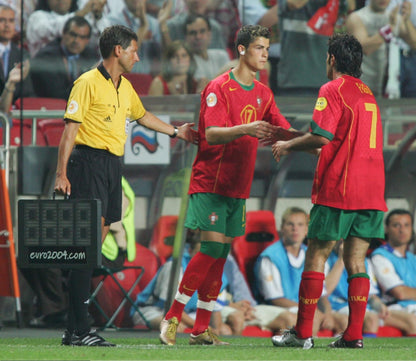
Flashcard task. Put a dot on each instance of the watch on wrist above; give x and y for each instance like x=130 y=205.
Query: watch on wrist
x=175 y=132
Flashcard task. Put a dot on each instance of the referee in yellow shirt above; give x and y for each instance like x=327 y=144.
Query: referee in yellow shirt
x=100 y=107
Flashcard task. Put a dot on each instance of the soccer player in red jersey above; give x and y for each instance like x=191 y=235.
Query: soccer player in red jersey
x=348 y=189
x=236 y=111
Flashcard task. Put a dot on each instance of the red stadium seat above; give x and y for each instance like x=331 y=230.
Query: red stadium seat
x=52 y=130
x=387 y=331
x=260 y=233
x=41 y=103
x=162 y=239
x=15 y=138
x=255 y=331
x=141 y=82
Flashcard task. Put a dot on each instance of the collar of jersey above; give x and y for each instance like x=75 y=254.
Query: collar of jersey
x=245 y=87
x=104 y=72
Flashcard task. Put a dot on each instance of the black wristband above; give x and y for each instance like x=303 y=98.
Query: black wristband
x=175 y=132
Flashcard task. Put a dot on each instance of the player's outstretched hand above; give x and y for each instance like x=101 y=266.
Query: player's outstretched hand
x=279 y=149
x=260 y=129
x=280 y=133
x=188 y=134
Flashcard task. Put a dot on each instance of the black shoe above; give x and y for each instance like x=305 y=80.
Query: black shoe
x=91 y=338
x=66 y=338
x=341 y=343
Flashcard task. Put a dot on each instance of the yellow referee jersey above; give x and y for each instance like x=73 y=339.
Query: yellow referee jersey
x=103 y=111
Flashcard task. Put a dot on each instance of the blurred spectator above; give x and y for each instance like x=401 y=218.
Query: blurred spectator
x=239 y=309
x=279 y=267
x=10 y=55
x=63 y=60
x=305 y=27
x=29 y=7
x=198 y=36
x=98 y=21
x=370 y=25
x=232 y=14
x=178 y=70
x=47 y=22
x=403 y=20
x=133 y=15
x=395 y=267
x=154 y=6
x=274 y=51
x=14 y=78
x=176 y=25
x=109 y=6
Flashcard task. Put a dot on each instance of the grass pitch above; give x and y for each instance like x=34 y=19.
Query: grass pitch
x=139 y=346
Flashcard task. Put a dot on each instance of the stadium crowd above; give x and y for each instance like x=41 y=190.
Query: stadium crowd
x=59 y=51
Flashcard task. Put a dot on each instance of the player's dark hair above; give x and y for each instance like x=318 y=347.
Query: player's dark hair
x=348 y=54
x=79 y=21
x=399 y=212
x=113 y=36
x=249 y=33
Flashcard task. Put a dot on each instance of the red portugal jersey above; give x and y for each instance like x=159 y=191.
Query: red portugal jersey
x=350 y=170
x=227 y=169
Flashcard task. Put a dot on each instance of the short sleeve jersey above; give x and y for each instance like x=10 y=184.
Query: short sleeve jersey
x=103 y=111
x=350 y=170
x=227 y=169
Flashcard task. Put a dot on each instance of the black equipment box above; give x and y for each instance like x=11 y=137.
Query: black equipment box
x=59 y=233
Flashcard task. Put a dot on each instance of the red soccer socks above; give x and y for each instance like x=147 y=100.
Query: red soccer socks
x=310 y=291
x=358 y=288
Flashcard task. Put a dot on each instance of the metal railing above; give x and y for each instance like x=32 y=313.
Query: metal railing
x=5 y=152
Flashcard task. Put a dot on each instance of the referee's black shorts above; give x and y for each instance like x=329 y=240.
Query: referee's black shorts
x=96 y=174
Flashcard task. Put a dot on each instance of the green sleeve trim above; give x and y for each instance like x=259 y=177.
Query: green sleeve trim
x=358 y=275
x=316 y=129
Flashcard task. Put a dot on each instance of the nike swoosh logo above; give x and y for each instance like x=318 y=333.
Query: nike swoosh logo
x=232 y=89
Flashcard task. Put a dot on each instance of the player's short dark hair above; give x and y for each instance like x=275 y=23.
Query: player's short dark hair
x=249 y=33
x=79 y=21
x=397 y=212
x=348 y=54
x=113 y=36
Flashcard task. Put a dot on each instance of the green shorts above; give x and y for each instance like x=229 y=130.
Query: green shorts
x=332 y=224
x=213 y=212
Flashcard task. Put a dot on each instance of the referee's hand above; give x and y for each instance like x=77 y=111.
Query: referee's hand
x=62 y=185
